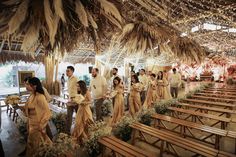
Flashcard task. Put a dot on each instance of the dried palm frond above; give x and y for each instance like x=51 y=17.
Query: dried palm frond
x=79 y=8
x=62 y=24
x=187 y=50
x=18 y=17
x=59 y=9
x=140 y=37
x=111 y=12
x=30 y=41
x=91 y=20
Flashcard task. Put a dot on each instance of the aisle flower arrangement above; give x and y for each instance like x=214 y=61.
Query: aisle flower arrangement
x=22 y=127
x=12 y=99
x=63 y=146
x=96 y=131
x=145 y=116
x=161 y=106
x=107 y=107
x=59 y=120
x=122 y=130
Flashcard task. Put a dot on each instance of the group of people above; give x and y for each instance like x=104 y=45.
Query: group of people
x=144 y=90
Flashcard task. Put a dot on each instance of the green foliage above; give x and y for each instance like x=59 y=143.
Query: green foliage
x=122 y=129
x=64 y=145
x=97 y=130
x=59 y=120
x=145 y=116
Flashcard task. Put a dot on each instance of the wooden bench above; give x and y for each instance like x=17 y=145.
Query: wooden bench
x=222 y=112
x=222 y=89
x=187 y=126
x=169 y=140
x=196 y=116
x=219 y=92
x=217 y=95
x=213 y=98
x=122 y=148
x=56 y=109
x=210 y=103
x=61 y=102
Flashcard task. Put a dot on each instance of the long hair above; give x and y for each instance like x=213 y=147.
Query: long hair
x=160 y=77
x=136 y=79
x=118 y=79
x=83 y=87
x=34 y=81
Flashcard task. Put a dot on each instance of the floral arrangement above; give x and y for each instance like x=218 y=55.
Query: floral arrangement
x=144 y=116
x=22 y=127
x=59 y=120
x=107 y=107
x=63 y=146
x=161 y=106
x=12 y=99
x=122 y=129
x=97 y=130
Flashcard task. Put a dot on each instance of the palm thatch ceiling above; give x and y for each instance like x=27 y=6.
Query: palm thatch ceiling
x=83 y=28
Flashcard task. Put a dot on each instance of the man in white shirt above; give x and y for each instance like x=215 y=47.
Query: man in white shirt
x=72 y=90
x=143 y=79
x=114 y=75
x=175 y=82
x=98 y=87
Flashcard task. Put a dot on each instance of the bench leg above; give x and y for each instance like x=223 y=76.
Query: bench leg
x=133 y=136
x=7 y=108
x=162 y=148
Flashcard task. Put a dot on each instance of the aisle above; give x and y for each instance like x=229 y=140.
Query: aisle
x=10 y=136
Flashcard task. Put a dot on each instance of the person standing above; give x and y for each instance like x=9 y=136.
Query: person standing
x=162 y=85
x=63 y=81
x=118 y=110
x=175 y=82
x=134 y=98
x=98 y=87
x=152 y=95
x=38 y=113
x=72 y=90
x=144 y=81
x=84 y=115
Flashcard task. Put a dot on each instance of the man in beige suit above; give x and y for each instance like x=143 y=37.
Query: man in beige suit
x=72 y=90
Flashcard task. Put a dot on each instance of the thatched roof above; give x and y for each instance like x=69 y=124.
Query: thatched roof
x=138 y=26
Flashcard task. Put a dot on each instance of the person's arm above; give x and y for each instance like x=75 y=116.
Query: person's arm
x=88 y=95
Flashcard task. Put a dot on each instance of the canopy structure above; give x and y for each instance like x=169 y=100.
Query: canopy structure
x=186 y=29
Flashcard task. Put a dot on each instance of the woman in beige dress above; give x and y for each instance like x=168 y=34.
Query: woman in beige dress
x=118 y=110
x=162 y=87
x=134 y=98
x=84 y=114
x=38 y=113
x=152 y=95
